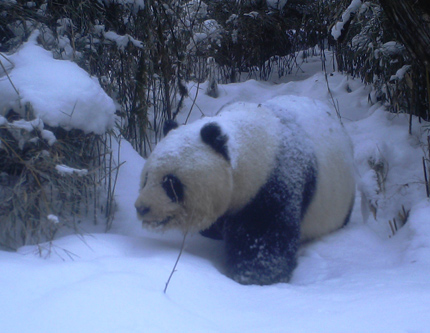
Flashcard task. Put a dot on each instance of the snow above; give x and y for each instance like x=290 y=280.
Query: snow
x=59 y=91
x=400 y=74
x=361 y=278
x=252 y=14
x=336 y=31
x=389 y=49
x=20 y=129
x=54 y=219
x=122 y=41
x=48 y=136
x=66 y=170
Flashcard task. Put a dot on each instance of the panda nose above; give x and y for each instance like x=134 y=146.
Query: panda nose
x=142 y=210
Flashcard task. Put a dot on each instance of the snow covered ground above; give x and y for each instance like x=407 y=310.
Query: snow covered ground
x=359 y=279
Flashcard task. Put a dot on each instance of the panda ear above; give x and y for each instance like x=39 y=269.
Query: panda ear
x=211 y=134
x=168 y=126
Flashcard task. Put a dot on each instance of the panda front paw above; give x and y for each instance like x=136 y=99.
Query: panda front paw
x=260 y=265
x=261 y=274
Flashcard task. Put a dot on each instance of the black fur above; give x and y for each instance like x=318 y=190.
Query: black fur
x=348 y=216
x=168 y=126
x=211 y=134
x=215 y=231
x=263 y=238
x=173 y=188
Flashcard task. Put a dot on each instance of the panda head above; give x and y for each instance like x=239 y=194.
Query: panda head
x=186 y=182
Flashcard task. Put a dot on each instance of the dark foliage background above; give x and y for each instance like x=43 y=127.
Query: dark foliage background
x=168 y=43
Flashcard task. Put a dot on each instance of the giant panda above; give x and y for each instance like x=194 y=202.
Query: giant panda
x=262 y=177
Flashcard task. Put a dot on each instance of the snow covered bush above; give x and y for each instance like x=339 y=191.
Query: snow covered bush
x=128 y=45
x=56 y=167
x=144 y=52
x=367 y=47
x=254 y=35
x=36 y=185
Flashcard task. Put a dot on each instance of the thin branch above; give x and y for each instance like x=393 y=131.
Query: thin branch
x=194 y=102
x=177 y=260
x=334 y=102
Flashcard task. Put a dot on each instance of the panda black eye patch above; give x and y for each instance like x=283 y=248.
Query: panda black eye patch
x=173 y=188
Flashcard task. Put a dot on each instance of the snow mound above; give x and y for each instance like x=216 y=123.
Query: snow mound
x=418 y=230
x=59 y=91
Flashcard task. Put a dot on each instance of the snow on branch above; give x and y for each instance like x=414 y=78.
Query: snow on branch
x=336 y=31
x=66 y=170
x=122 y=41
x=400 y=74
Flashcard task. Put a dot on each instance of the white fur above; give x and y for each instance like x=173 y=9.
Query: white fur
x=214 y=186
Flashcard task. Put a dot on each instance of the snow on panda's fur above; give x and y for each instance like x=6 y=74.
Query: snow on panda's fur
x=261 y=177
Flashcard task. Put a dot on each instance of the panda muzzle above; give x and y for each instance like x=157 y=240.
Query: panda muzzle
x=143 y=211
